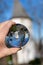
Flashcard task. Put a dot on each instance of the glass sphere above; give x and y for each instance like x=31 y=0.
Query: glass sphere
x=17 y=36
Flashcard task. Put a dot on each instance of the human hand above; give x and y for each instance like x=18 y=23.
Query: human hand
x=4 y=28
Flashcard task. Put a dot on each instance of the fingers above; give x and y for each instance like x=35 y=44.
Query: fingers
x=7 y=51
x=12 y=51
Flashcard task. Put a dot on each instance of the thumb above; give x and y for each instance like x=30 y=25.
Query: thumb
x=7 y=27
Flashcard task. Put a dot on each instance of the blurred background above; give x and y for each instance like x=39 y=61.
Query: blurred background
x=30 y=14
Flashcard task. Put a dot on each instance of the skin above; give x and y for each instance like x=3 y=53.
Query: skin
x=4 y=28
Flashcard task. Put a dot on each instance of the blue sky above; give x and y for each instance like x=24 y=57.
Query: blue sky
x=33 y=8
x=6 y=9
x=36 y=30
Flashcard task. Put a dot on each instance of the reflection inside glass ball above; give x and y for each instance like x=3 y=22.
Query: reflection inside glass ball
x=17 y=36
